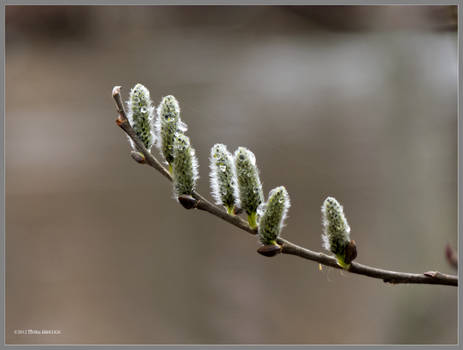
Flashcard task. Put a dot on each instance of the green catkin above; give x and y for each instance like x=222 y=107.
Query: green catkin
x=184 y=166
x=272 y=215
x=168 y=124
x=224 y=184
x=336 y=230
x=141 y=116
x=249 y=185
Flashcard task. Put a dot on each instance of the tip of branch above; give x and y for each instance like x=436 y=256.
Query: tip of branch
x=116 y=90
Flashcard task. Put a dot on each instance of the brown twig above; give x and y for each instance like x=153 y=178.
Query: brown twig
x=287 y=247
x=451 y=256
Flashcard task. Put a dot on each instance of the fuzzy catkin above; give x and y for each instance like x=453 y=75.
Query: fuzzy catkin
x=141 y=116
x=272 y=215
x=184 y=166
x=249 y=185
x=336 y=230
x=168 y=125
x=223 y=178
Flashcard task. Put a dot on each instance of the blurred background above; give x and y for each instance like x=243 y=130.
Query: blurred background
x=356 y=102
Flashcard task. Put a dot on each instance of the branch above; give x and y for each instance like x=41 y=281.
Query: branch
x=452 y=256
x=430 y=277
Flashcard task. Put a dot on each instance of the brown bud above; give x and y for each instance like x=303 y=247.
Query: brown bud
x=269 y=250
x=237 y=211
x=433 y=274
x=188 y=202
x=351 y=252
x=119 y=120
x=138 y=157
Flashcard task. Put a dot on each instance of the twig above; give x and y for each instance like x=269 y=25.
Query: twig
x=451 y=256
x=430 y=277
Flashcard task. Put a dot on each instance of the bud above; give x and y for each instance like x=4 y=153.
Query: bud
x=187 y=201
x=141 y=116
x=168 y=124
x=272 y=215
x=138 y=157
x=336 y=232
x=249 y=185
x=184 y=167
x=269 y=250
x=223 y=178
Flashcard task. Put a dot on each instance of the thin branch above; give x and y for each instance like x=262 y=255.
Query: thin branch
x=430 y=277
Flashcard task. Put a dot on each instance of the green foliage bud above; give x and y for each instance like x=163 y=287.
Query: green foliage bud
x=168 y=124
x=272 y=215
x=223 y=178
x=249 y=185
x=141 y=116
x=336 y=230
x=184 y=166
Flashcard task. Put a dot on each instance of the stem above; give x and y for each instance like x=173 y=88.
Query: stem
x=252 y=220
x=230 y=210
x=287 y=247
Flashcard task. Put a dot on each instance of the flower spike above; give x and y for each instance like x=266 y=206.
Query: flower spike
x=223 y=178
x=272 y=215
x=184 y=167
x=141 y=116
x=336 y=233
x=250 y=187
x=168 y=124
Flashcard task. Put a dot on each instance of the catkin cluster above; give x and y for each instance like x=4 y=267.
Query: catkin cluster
x=168 y=131
x=235 y=183
x=234 y=178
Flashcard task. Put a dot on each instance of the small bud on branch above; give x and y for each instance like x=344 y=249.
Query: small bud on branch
x=269 y=250
x=138 y=157
x=187 y=201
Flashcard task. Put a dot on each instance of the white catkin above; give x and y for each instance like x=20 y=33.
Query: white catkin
x=249 y=184
x=273 y=214
x=223 y=179
x=141 y=116
x=168 y=124
x=185 y=167
x=336 y=230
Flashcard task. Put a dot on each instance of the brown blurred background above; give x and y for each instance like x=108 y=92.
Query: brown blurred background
x=355 y=102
